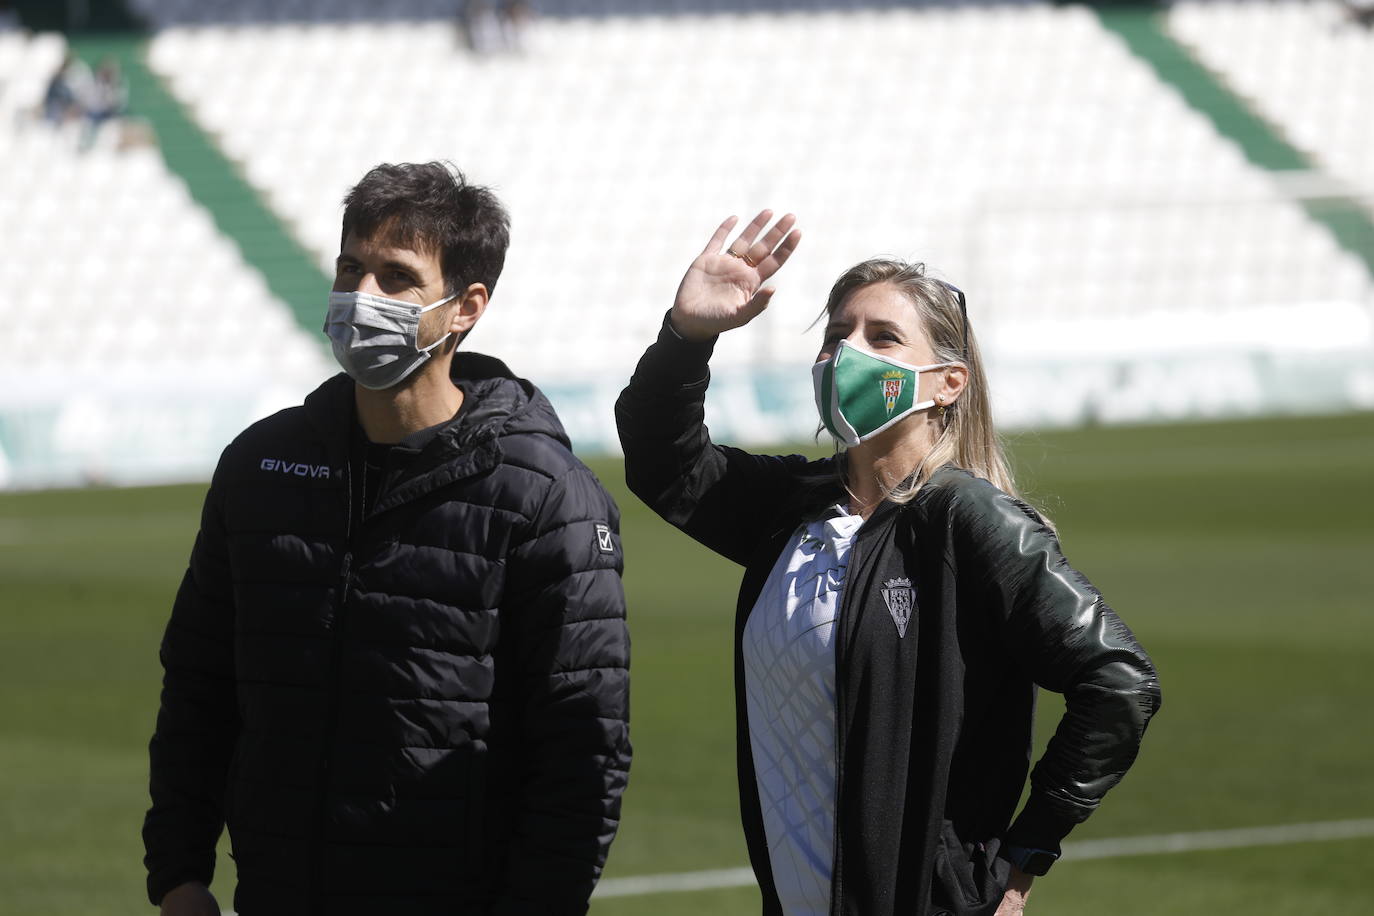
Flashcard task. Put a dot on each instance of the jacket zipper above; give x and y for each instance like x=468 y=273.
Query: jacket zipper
x=841 y=728
x=332 y=707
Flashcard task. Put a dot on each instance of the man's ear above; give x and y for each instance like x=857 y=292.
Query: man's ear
x=468 y=306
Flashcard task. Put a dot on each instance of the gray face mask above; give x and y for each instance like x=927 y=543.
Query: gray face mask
x=375 y=339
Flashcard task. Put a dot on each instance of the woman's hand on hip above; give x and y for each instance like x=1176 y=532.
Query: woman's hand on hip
x=189 y=899
x=723 y=288
x=1018 y=889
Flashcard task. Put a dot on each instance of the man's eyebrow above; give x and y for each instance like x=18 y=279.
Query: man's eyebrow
x=388 y=264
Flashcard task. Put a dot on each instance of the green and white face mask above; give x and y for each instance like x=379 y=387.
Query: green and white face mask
x=860 y=394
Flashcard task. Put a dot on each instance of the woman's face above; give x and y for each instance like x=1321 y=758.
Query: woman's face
x=880 y=319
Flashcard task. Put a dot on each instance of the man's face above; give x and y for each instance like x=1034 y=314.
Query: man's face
x=379 y=267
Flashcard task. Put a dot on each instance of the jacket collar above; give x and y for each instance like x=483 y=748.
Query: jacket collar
x=496 y=404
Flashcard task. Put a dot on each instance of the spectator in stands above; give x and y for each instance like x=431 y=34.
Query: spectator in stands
x=107 y=98
x=480 y=27
x=68 y=88
x=516 y=16
x=397 y=667
x=490 y=28
x=899 y=604
x=1360 y=12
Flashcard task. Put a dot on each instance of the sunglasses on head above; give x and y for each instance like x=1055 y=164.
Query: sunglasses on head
x=963 y=310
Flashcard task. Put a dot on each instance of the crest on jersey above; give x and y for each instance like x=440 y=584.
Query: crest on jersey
x=892 y=388
x=897 y=595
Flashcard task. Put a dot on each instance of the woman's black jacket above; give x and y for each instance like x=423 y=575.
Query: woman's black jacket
x=934 y=725
x=423 y=710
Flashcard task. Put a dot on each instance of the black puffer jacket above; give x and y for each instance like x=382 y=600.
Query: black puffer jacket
x=424 y=713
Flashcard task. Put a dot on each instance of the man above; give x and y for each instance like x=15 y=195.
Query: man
x=397 y=667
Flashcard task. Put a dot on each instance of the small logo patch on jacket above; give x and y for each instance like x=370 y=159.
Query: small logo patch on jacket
x=897 y=595
x=295 y=468
x=604 y=541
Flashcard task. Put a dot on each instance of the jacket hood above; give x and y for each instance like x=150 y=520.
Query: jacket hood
x=497 y=402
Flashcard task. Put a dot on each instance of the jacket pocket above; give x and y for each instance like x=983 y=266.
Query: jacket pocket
x=970 y=878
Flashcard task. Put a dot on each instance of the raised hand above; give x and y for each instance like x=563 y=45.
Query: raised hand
x=723 y=288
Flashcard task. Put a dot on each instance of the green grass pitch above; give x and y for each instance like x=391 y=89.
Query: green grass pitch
x=1241 y=553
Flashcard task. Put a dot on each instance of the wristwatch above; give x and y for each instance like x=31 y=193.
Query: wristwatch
x=1029 y=860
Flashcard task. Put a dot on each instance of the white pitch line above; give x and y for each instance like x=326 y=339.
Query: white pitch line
x=1158 y=844
x=1121 y=847
x=675 y=883
x=1240 y=838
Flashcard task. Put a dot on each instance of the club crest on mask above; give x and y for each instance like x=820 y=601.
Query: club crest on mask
x=893 y=381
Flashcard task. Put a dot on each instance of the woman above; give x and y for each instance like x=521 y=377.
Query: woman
x=898 y=608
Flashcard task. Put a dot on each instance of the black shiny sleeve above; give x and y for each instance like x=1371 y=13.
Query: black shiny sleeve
x=1059 y=630
x=723 y=497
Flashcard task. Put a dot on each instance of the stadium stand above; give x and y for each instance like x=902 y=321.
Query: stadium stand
x=1110 y=236
x=166 y=13
x=1305 y=66
x=1019 y=149
x=132 y=325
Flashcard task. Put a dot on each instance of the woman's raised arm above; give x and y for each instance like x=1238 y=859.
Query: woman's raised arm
x=723 y=497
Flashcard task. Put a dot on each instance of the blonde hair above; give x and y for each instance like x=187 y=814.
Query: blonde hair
x=967 y=437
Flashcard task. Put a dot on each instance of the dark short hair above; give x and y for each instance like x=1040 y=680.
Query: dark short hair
x=431 y=206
